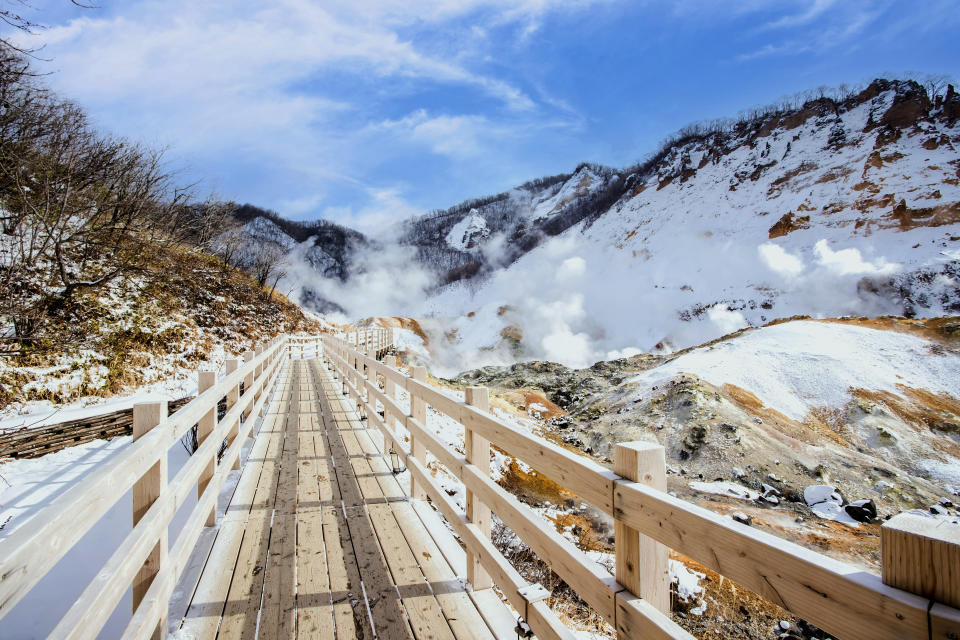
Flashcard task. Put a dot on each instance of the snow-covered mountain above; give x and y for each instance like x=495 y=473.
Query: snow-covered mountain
x=838 y=206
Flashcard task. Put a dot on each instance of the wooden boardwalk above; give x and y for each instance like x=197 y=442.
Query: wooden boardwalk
x=321 y=541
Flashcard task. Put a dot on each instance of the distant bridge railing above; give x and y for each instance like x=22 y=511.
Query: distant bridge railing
x=921 y=556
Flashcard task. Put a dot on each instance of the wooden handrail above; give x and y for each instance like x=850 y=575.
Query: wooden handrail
x=32 y=549
x=840 y=598
x=591 y=582
x=843 y=600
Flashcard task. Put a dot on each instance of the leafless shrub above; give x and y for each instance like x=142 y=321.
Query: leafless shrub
x=563 y=599
x=78 y=210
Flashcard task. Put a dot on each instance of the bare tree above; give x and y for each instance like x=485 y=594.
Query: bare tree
x=268 y=265
x=78 y=209
x=12 y=13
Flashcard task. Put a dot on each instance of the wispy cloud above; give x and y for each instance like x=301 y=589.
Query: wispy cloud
x=248 y=79
x=814 y=10
x=384 y=208
x=822 y=26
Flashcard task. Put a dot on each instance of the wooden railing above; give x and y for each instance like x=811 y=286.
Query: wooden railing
x=143 y=559
x=34 y=442
x=848 y=602
x=920 y=556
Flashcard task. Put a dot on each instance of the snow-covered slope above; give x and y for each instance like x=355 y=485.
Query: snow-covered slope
x=467 y=233
x=837 y=208
x=798 y=366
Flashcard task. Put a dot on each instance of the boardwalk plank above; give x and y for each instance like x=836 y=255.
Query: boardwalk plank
x=317 y=520
x=314 y=602
x=460 y=612
x=243 y=600
x=422 y=607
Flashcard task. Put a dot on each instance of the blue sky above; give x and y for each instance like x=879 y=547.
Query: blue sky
x=368 y=111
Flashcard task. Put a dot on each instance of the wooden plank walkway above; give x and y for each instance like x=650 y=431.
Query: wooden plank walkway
x=321 y=541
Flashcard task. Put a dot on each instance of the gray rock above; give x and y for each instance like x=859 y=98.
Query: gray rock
x=862 y=510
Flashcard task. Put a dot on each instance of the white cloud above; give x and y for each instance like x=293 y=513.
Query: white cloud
x=462 y=135
x=815 y=9
x=385 y=208
x=248 y=80
x=824 y=25
x=778 y=260
x=726 y=321
x=850 y=262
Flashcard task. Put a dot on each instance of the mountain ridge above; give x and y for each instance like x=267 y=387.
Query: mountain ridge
x=825 y=185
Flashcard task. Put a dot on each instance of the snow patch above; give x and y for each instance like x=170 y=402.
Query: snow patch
x=796 y=366
x=728 y=489
x=465 y=234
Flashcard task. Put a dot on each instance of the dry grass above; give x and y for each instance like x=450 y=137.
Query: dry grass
x=532 y=486
x=944 y=330
x=144 y=329
x=522 y=400
x=779 y=426
x=829 y=418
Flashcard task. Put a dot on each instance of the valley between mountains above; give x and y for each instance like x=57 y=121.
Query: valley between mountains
x=775 y=299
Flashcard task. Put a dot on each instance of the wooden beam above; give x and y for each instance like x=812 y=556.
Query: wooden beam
x=206 y=425
x=922 y=555
x=637 y=618
x=642 y=563
x=478 y=453
x=841 y=599
x=233 y=395
x=146 y=491
x=418 y=412
x=944 y=622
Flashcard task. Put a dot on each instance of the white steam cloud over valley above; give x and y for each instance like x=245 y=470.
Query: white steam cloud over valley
x=577 y=303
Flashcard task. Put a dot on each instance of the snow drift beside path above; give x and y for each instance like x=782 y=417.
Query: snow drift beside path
x=796 y=366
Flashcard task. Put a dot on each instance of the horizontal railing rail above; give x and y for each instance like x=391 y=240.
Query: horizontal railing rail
x=917 y=596
x=841 y=599
x=31 y=550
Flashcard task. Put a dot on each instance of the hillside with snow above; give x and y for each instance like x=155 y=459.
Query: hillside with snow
x=847 y=205
x=827 y=211
x=796 y=425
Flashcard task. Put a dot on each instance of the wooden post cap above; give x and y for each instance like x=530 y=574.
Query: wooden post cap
x=649 y=456
x=205 y=380
x=921 y=554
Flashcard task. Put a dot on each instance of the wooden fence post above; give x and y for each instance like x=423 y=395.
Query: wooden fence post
x=363 y=373
x=922 y=555
x=259 y=371
x=390 y=390
x=642 y=563
x=477 y=453
x=233 y=396
x=146 y=491
x=248 y=380
x=205 y=427
x=418 y=411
